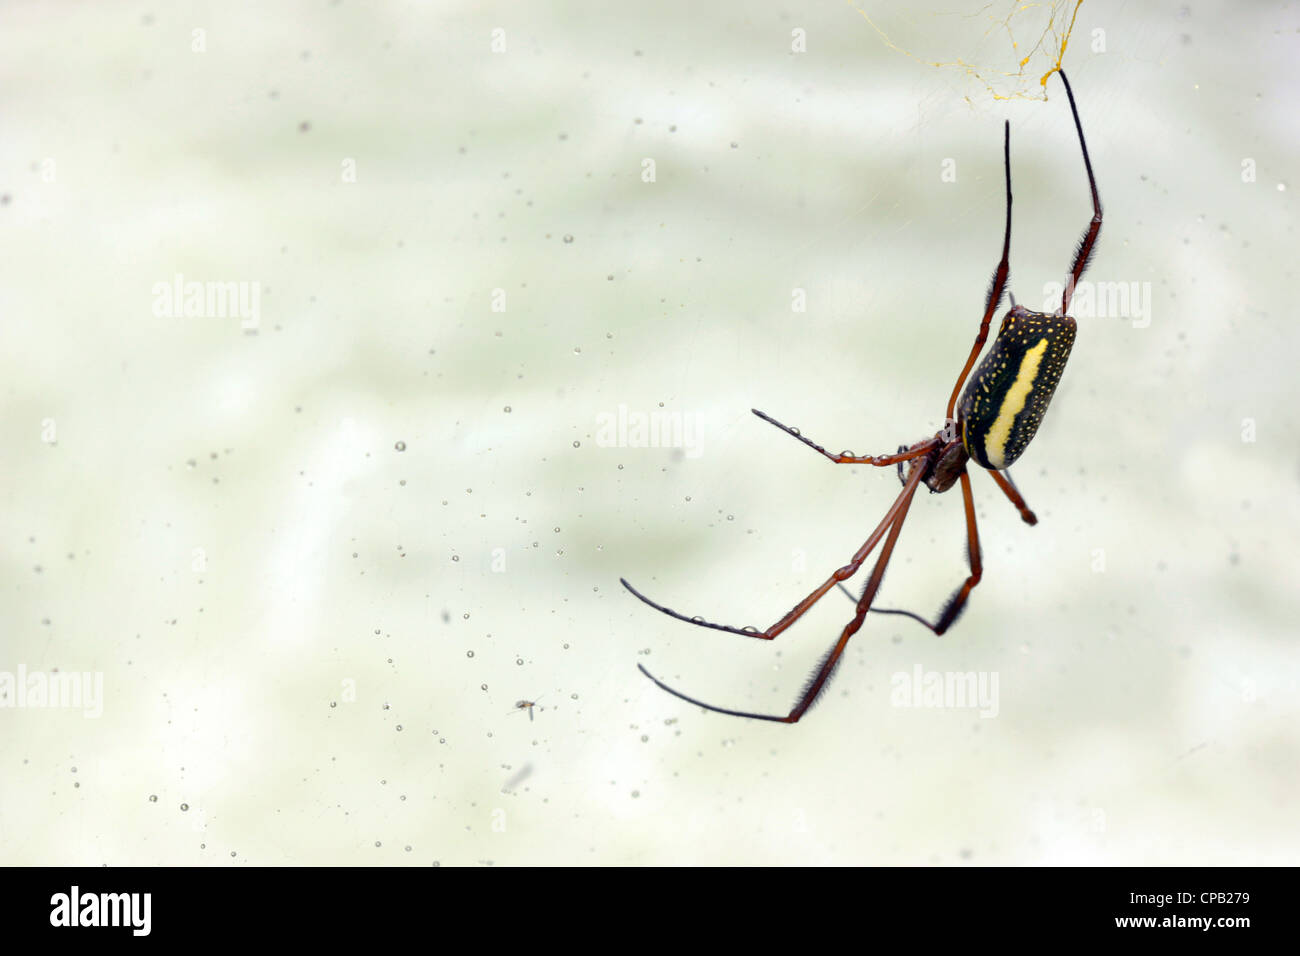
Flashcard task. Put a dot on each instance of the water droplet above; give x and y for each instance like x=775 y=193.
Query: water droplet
x=568 y=238
x=400 y=446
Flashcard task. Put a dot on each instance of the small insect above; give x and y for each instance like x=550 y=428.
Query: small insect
x=999 y=413
x=527 y=705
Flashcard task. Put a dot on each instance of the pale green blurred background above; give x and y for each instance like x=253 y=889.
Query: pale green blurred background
x=312 y=642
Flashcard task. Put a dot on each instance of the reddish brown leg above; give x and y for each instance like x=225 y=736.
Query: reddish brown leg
x=1004 y=482
x=842 y=574
x=999 y=283
x=957 y=603
x=1088 y=243
x=847 y=457
x=820 y=677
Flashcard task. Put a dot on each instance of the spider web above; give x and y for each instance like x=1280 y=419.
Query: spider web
x=1021 y=46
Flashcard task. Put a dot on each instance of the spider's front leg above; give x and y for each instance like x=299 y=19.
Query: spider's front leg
x=957 y=603
x=840 y=575
x=847 y=457
x=821 y=676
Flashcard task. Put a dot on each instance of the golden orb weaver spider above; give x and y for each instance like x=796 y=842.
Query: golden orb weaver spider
x=1000 y=411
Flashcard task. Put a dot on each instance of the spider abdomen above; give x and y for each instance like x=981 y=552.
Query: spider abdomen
x=1008 y=394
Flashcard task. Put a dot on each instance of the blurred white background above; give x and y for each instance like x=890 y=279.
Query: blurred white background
x=317 y=561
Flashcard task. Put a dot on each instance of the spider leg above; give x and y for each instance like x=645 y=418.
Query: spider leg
x=1009 y=489
x=1088 y=243
x=902 y=479
x=817 y=682
x=848 y=458
x=999 y=283
x=957 y=603
x=842 y=574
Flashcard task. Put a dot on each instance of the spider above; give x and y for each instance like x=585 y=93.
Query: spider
x=999 y=412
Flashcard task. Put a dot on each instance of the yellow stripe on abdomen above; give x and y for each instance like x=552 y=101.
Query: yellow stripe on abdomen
x=995 y=443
